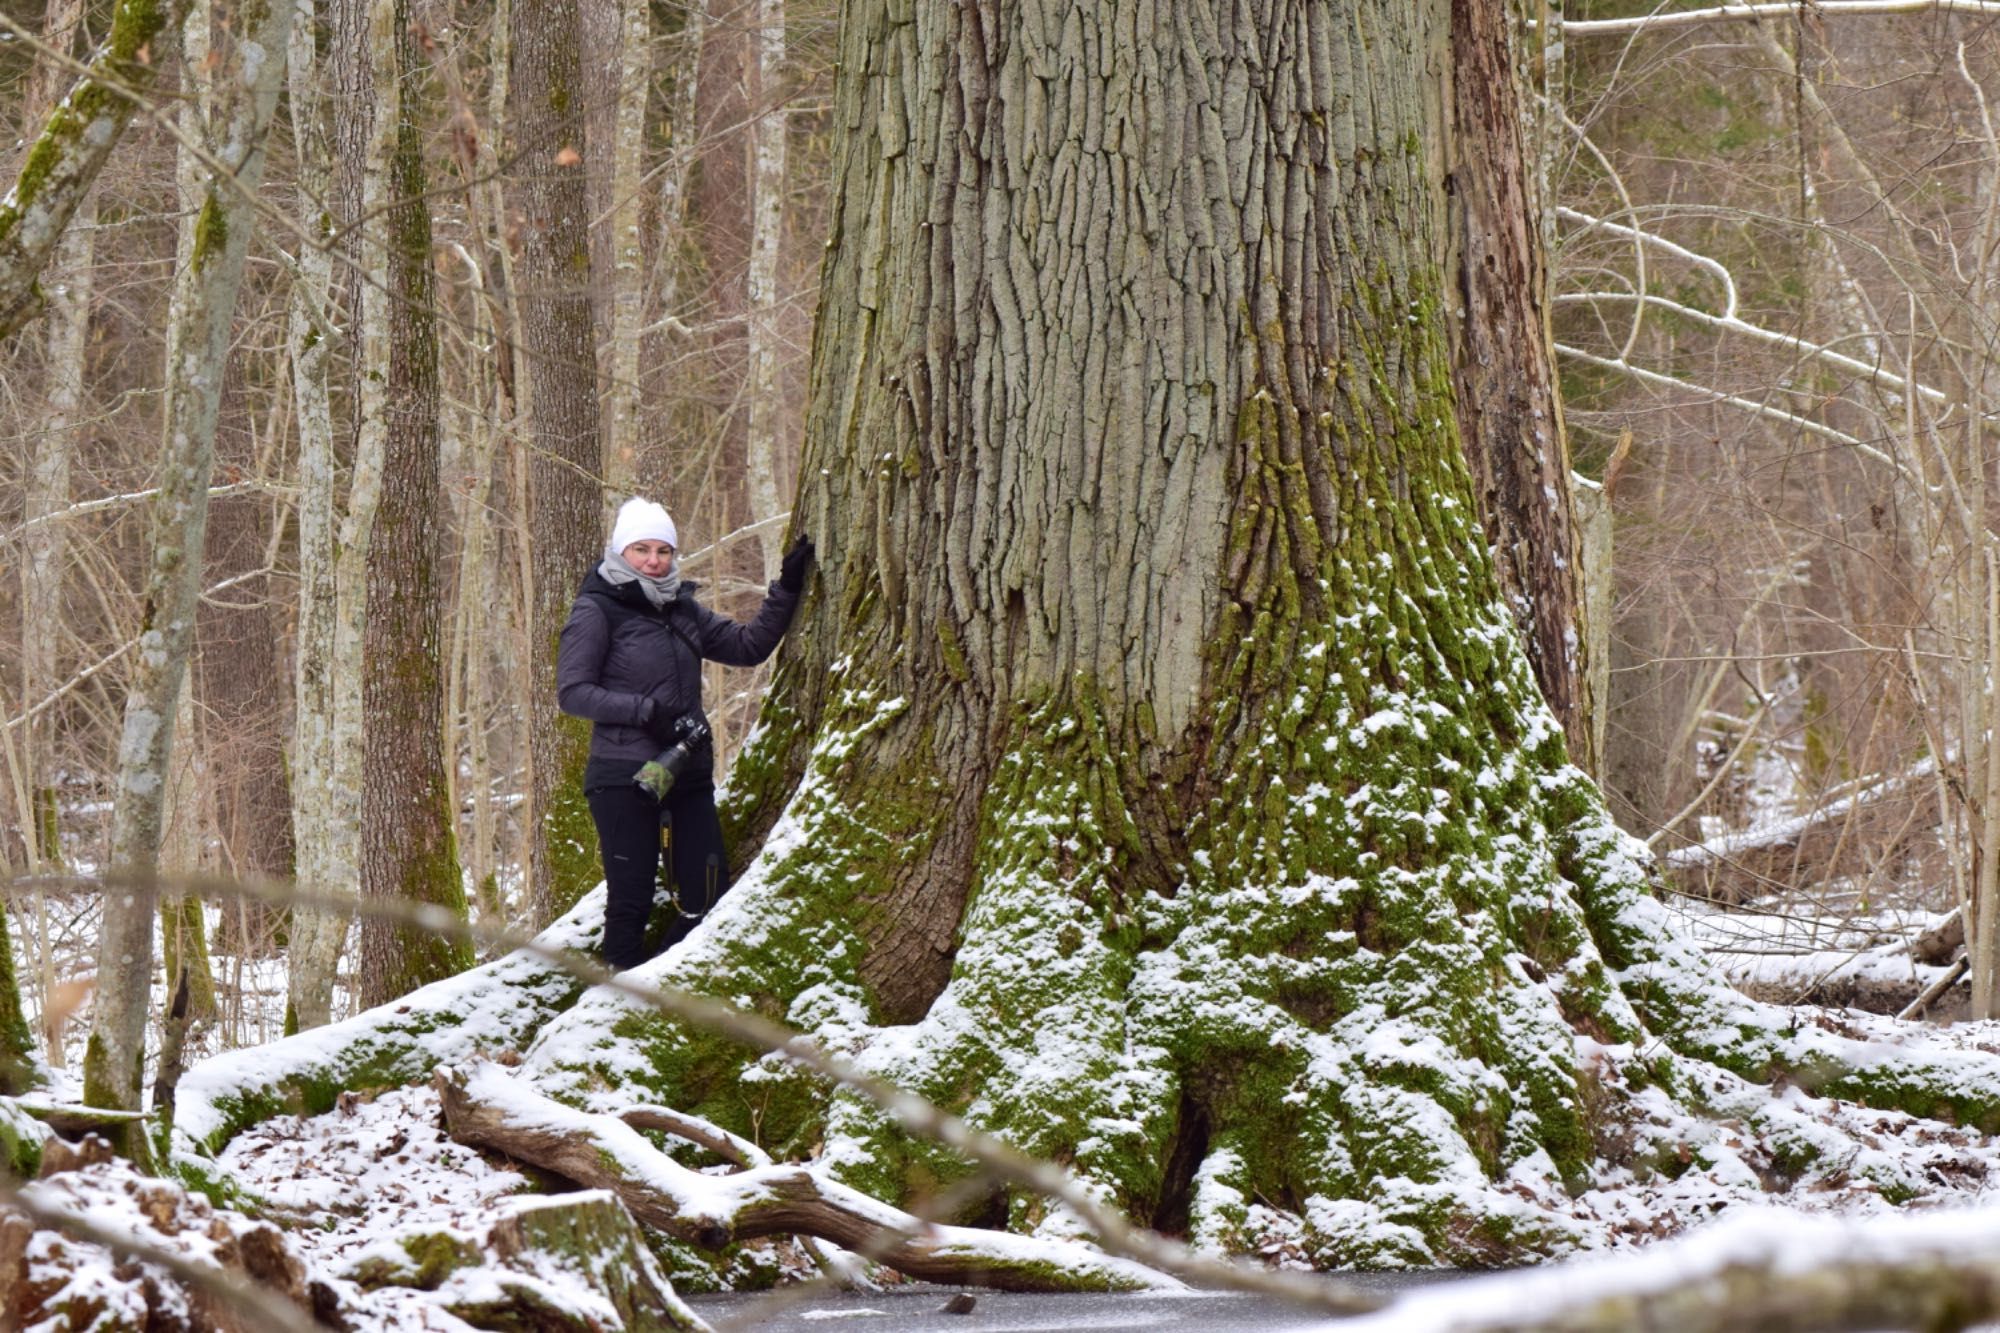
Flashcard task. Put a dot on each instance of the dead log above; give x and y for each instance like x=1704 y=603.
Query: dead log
x=1940 y=942
x=1882 y=825
x=486 y=1107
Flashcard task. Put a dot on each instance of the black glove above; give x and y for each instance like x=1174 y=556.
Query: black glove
x=792 y=569
x=664 y=724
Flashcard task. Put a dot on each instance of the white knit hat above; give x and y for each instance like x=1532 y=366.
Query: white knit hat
x=638 y=521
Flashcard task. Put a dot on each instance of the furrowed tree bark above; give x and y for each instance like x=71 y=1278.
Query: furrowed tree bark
x=408 y=848
x=1154 y=773
x=72 y=148
x=566 y=518
x=1510 y=415
x=245 y=91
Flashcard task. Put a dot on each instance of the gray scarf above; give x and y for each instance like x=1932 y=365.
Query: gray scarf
x=617 y=570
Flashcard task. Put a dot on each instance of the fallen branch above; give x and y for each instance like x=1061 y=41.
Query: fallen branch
x=732 y=1148
x=1919 y=1006
x=1758 y=1271
x=485 y=1107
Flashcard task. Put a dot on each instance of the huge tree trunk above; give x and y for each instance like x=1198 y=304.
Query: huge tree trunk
x=1155 y=773
x=566 y=511
x=245 y=92
x=408 y=851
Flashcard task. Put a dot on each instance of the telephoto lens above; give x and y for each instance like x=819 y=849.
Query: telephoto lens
x=659 y=774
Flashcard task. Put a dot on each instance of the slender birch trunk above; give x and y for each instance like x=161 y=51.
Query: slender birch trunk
x=245 y=93
x=565 y=492
x=408 y=851
x=479 y=641
x=683 y=137
x=765 y=450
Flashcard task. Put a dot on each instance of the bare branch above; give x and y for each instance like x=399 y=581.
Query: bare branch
x=72 y=148
x=1688 y=18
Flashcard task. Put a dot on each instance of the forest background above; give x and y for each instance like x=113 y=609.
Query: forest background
x=1800 y=203
x=1771 y=271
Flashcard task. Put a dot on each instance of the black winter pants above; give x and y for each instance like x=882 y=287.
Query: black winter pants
x=631 y=830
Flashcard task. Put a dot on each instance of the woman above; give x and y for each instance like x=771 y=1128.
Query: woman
x=630 y=661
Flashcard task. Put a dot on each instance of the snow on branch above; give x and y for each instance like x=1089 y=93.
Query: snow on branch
x=1786 y=833
x=103 y=502
x=1688 y=18
x=485 y=1107
x=230 y=1091
x=1750 y=405
x=1716 y=268
x=1729 y=321
x=1756 y=1271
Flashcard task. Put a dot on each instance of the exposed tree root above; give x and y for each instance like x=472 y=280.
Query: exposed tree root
x=485 y=1107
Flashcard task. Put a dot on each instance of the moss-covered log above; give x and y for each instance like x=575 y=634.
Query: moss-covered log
x=1155 y=775
x=499 y=1006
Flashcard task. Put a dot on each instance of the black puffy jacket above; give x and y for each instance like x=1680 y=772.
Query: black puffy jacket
x=624 y=664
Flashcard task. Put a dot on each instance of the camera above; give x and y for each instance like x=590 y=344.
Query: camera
x=658 y=775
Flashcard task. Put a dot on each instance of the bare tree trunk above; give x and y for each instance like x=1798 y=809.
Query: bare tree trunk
x=1504 y=365
x=560 y=378
x=766 y=434
x=68 y=292
x=342 y=150
x=183 y=941
x=408 y=851
x=72 y=148
x=18 y=1068
x=245 y=91
x=43 y=549
x=618 y=34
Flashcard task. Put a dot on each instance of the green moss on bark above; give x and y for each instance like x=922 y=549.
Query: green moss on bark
x=574 y=862
x=19 y=1069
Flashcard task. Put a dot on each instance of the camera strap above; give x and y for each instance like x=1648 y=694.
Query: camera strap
x=668 y=617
